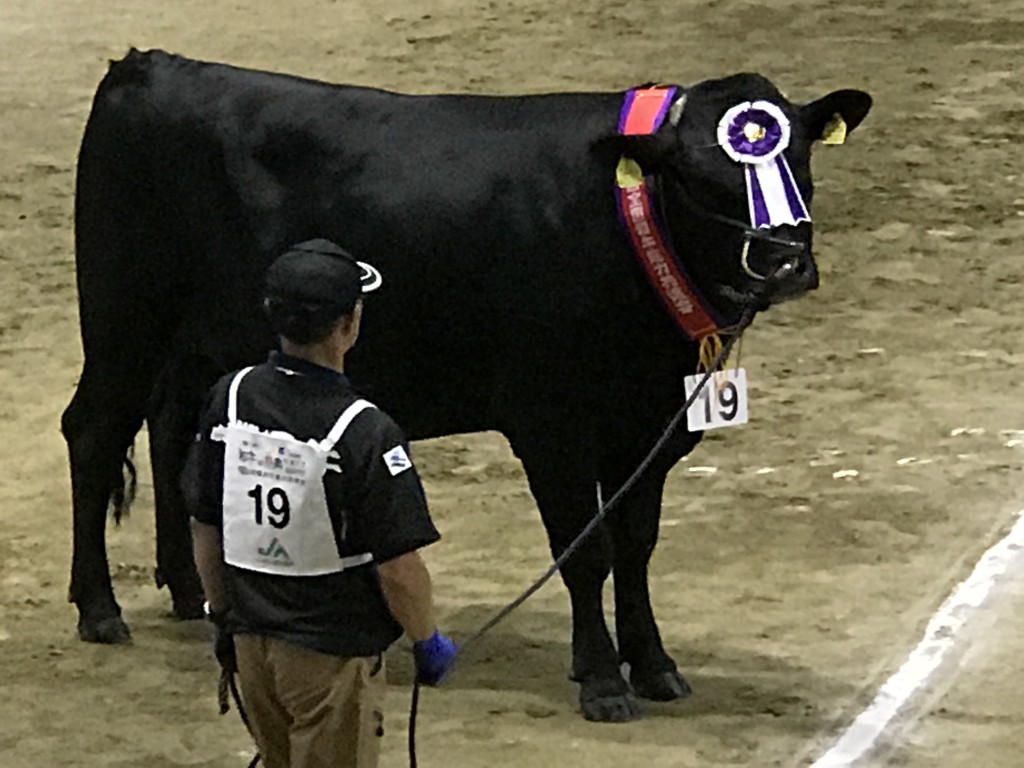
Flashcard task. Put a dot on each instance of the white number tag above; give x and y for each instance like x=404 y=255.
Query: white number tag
x=721 y=403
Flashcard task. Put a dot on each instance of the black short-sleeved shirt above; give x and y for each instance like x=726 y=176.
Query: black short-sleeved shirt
x=372 y=509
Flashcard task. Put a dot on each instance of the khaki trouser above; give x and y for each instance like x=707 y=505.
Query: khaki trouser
x=309 y=709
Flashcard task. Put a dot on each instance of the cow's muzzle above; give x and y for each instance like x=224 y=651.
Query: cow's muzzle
x=776 y=262
x=779 y=263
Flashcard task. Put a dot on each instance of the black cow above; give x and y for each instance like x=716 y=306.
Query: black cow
x=512 y=300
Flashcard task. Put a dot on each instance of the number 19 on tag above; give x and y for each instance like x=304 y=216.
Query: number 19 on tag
x=721 y=403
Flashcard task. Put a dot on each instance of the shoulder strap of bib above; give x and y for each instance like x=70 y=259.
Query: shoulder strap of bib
x=342 y=423
x=233 y=395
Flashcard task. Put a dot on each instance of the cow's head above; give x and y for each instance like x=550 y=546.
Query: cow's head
x=726 y=161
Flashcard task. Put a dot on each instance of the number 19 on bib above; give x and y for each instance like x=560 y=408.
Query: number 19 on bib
x=721 y=403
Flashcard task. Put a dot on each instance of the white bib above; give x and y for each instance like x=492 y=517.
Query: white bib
x=275 y=511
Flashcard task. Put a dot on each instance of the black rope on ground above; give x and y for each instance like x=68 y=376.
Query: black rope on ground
x=225 y=686
x=603 y=509
x=413 y=709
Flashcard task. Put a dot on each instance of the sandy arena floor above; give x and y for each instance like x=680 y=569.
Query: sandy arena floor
x=787 y=597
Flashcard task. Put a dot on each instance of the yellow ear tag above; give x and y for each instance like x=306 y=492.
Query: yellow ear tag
x=835 y=131
x=628 y=174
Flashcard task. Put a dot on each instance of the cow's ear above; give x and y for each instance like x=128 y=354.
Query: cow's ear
x=649 y=151
x=832 y=117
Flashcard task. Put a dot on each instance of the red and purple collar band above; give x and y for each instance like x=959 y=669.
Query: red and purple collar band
x=643 y=112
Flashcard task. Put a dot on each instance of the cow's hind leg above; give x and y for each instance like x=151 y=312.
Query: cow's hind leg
x=99 y=426
x=175 y=569
x=567 y=502
x=652 y=672
x=173 y=412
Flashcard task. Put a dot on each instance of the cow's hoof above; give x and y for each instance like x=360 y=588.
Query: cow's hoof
x=112 y=630
x=608 y=701
x=188 y=607
x=660 y=686
x=187 y=599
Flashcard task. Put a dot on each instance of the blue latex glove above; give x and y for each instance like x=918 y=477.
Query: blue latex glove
x=433 y=658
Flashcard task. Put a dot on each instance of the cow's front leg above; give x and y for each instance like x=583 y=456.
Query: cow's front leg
x=604 y=695
x=567 y=503
x=652 y=672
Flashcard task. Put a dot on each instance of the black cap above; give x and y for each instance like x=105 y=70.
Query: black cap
x=315 y=282
x=319 y=273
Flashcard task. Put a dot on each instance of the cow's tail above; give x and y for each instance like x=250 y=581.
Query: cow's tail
x=122 y=495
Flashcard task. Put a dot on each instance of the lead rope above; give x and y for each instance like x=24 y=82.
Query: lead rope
x=721 y=354
x=226 y=685
x=413 y=709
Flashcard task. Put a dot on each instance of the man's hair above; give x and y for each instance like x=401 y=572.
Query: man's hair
x=303 y=323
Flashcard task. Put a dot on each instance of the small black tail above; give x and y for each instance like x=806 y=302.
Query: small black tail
x=122 y=496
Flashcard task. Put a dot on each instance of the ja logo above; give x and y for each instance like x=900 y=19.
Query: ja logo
x=275 y=551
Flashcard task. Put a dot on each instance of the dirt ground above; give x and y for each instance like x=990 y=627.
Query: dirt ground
x=787 y=596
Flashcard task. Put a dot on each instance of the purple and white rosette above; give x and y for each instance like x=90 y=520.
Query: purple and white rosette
x=755 y=134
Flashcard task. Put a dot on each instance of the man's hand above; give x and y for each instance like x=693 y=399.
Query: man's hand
x=433 y=658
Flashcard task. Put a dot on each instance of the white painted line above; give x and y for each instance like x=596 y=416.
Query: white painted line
x=939 y=638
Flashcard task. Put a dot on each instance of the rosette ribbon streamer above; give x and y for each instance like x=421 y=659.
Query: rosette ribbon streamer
x=756 y=134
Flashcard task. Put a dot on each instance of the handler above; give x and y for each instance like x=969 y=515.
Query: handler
x=307 y=517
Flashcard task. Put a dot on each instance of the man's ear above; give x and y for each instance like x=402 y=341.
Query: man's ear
x=649 y=151
x=831 y=118
x=355 y=319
